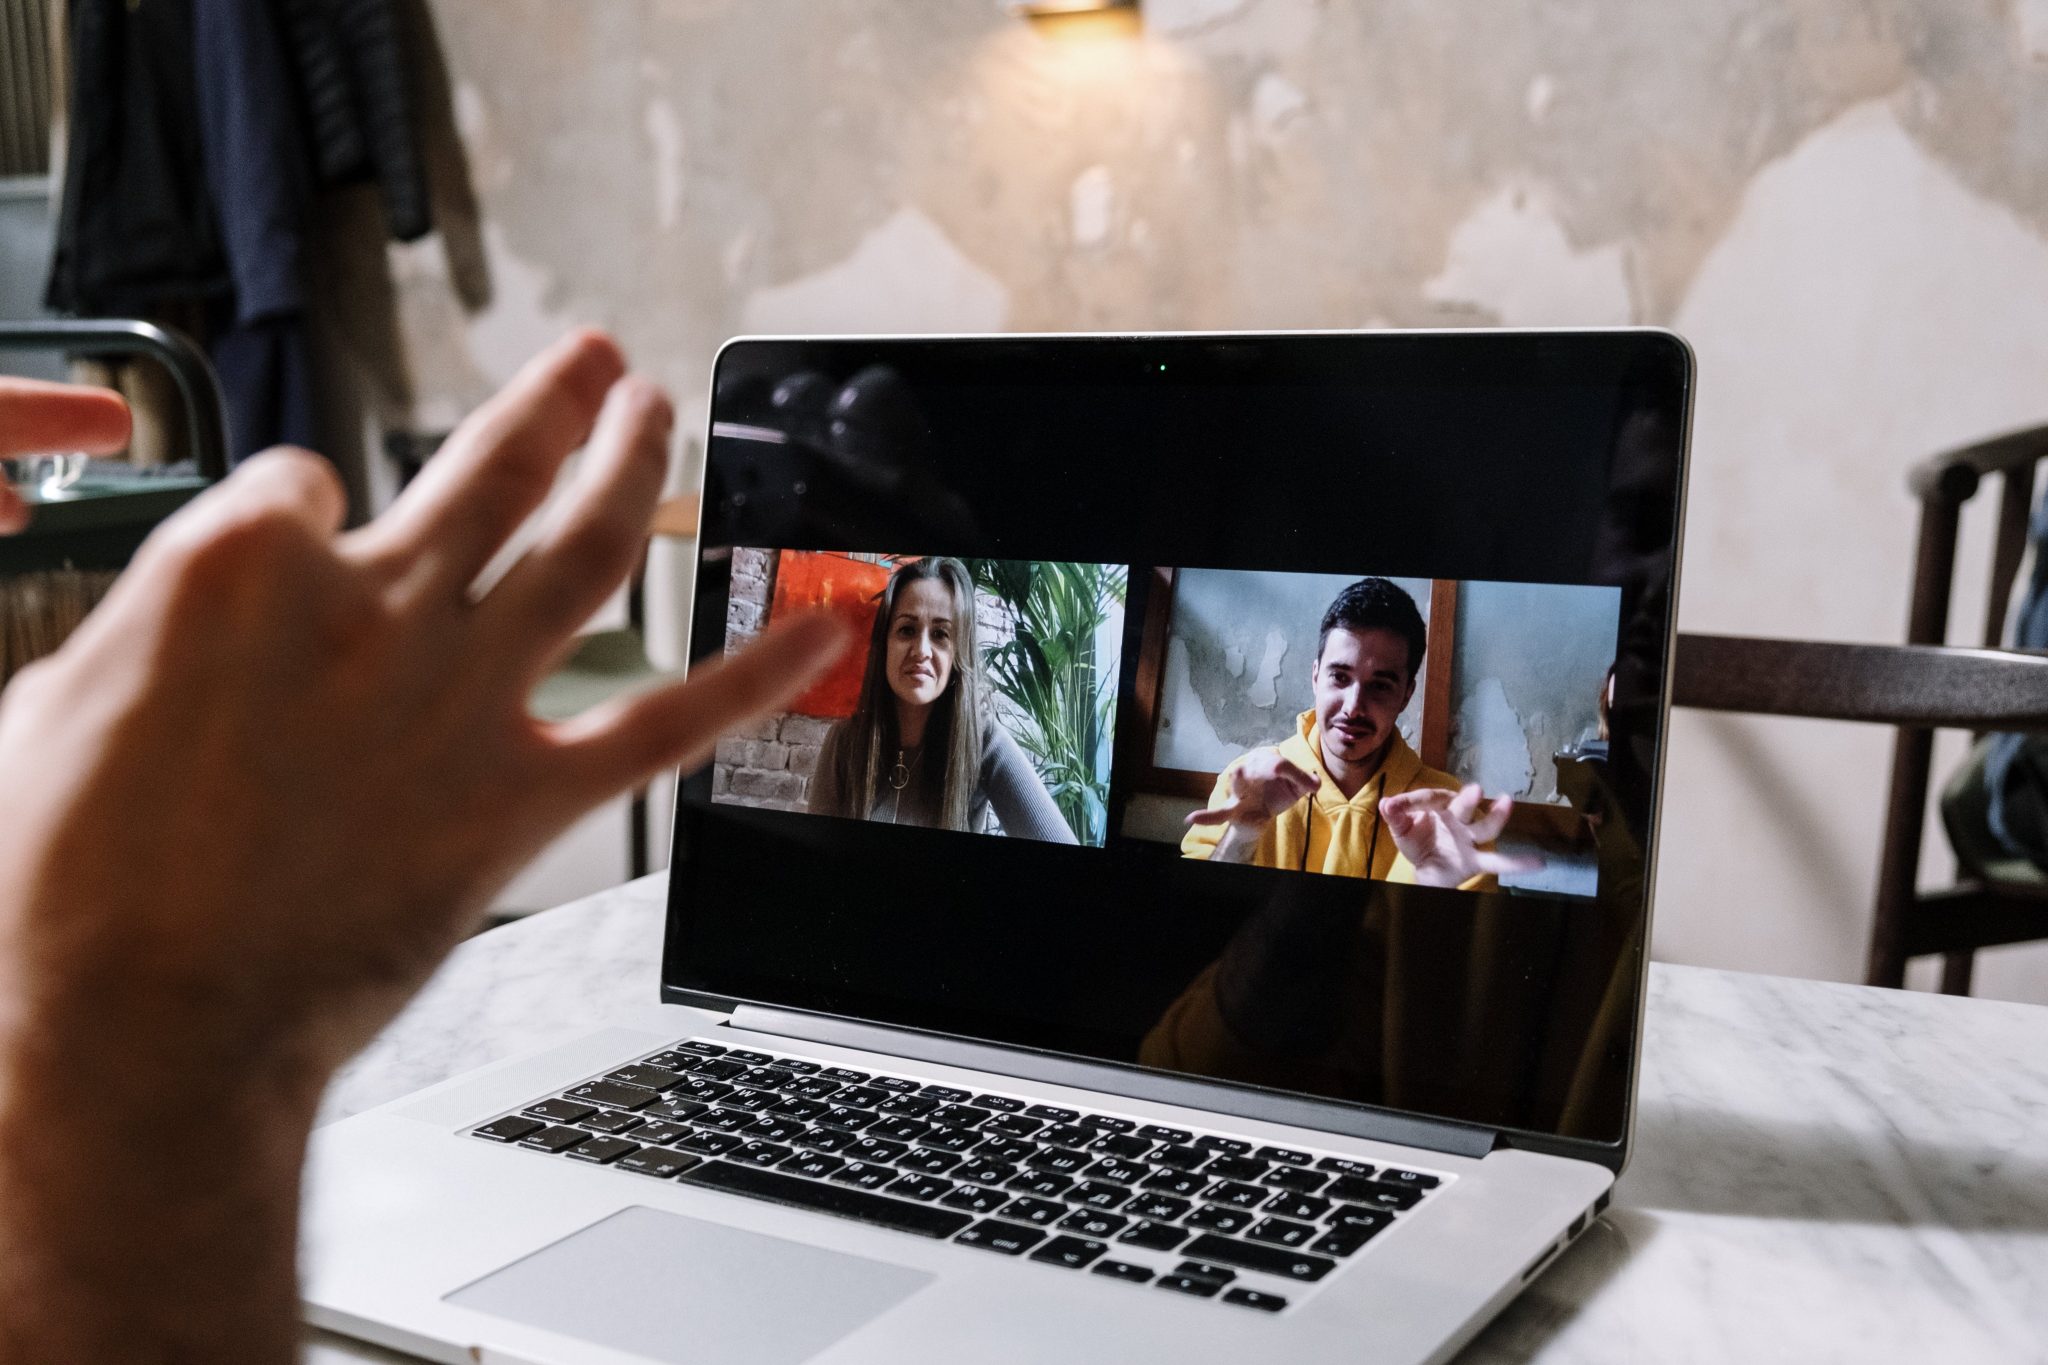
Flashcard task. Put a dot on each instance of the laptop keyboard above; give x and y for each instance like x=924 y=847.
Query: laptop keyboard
x=1200 y=1213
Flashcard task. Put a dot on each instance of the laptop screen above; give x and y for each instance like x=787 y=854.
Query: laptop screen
x=1275 y=710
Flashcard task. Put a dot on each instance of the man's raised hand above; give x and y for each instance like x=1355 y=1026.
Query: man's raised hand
x=1439 y=833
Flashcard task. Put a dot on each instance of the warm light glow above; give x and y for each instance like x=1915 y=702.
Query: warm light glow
x=1087 y=25
x=1044 y=9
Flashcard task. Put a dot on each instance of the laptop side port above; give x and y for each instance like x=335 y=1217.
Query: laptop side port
x=1578 y=1225
x=1540 y=1262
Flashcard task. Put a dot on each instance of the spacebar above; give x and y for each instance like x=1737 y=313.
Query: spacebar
x=899 y=1214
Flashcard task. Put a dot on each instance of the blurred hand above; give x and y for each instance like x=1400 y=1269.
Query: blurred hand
x=1439 y=833
x=1261 y=787
x=40 y=418
x=280 y=771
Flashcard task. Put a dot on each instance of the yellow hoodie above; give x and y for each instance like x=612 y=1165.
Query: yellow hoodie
x=1327 y=832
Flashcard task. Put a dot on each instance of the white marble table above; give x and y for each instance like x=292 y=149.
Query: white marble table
x=1822 y=1172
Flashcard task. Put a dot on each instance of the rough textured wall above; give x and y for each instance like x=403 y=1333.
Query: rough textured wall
x=1842 y=203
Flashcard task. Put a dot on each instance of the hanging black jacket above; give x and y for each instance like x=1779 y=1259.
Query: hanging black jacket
x=354 y=76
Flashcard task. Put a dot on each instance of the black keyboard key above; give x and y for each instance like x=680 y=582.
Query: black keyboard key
x=1004 y=1149
x=1386 y=1197
x=1268 y=1260
x=701 y=1090
x=659 y=1133
x=1161 y=1133
x=1013 y=1125
x=726 y=1120
x=1182 y=1157
x=899 y=1130
x=1288 y=1205
x=601 y=1150
x=1006 y=1238
x=1125 y=1145
x=615 y=1095
x=1044 y=1184
x=923 y=1219
x=1075 y=1253
x=1208 y=1270
x=723 y=1069
x=928 y=1161
x=1067 y=1135
x=1286 y=1155
x=1002 y=1103
x=1038 y=1212
x=1337 y=1165
x=866 y=1175
x=1117 y=1169
x=675 y=1109
x=944 y=1094
x=1154 y=1236
x=1357 y=1216
x=1175 y=1182
x=1255 y=1298
x=846 y=1119
x=561 y=1111
x=1098 y=1194
x=508 y=1130
x=758 y=1153
x=709 y=1144
x=895 y=1085
x=1052 y=1113
x=1294 y=1178
x=653 y=1161
x=798 y=1108
x=775 y=1128
x=1221 y=1218
x=1059 y=1160
x=920 y=1187
x=1237 y=1168
x=673 y=1061
x=981 y=1171
x=829 y=1140
x=750 y=1058
x=651 y=1077
x=975 y=1199
x=1412 y=1180
x=1281 y=1232
x=555 y=1139
x=1103 y=1123
x=700 y=1047
x=959 y=1115
x=1122 y=1270
x=753 y=1101
x=1094 y=1223
x=874 y=1149
x=1342 y=1241
x=1160 y=1208
x=1236 y=1195
x=907 y=1106
x=813 y=1089
x=813 y=1165
x=798 y=1065
x=1190 y=1284
x=609 y=1121
x=843 y=1075
x=861 y=1096
x=1223 y=1146
x=953 y=1139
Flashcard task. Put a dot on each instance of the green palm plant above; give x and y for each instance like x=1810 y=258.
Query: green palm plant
x=1048 y=671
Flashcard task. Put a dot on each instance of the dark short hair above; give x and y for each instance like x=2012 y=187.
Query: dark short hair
x=1376 y=604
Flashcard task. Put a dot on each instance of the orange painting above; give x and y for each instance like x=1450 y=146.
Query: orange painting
x=849 y=587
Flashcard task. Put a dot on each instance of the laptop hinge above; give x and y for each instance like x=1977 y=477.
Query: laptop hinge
x=1349 y=1120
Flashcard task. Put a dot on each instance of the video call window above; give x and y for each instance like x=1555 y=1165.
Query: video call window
x=980 y=697
x=1334 y=719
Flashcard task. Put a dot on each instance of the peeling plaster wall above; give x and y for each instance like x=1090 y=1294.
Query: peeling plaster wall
x=1842 y=203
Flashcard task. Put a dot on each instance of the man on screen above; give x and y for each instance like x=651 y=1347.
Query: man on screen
x=1344 y=794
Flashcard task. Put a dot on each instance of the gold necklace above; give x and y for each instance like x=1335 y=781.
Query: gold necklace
x=899 y=776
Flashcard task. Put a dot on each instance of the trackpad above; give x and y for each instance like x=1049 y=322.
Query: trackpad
x=680 y=1289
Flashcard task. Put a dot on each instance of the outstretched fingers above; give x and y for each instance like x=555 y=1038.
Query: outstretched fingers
x=624 y=743
x=39 y=417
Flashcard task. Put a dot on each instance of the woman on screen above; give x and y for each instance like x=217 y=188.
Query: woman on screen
x=921 y=747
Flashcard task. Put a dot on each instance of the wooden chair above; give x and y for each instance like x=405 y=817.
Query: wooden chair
x=1918 y=687
x=611 y=663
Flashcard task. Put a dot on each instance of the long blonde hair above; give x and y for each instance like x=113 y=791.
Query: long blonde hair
x=952 y=736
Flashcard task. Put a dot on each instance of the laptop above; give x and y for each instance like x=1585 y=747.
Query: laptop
x=1110 y=959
